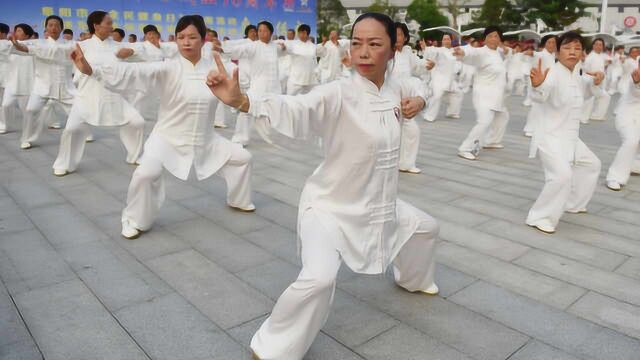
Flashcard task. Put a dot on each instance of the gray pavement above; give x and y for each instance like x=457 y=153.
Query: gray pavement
x=199 y=284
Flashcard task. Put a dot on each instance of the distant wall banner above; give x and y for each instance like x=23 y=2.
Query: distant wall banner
x=227 y=17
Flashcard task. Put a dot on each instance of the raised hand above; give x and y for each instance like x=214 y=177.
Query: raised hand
x=598 y=77
x=226 y=88
x=537 y=75
x=430 y=64
x=635 y=75
x=77 y=56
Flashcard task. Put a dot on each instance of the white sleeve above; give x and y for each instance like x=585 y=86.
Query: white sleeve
x=121 y=77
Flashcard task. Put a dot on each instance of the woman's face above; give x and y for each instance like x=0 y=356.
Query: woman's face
x=551 y=45
x=399 y=39
x=492 y=40
x=570 y=54
x=446 y=41
x=598 y=46
x=190 y=43
x=20 y=35
x=105 y=28
x=53 y=29
x=264 y=34
x=370 y=50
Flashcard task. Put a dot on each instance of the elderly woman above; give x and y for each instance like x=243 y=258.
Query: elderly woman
x=349 y=209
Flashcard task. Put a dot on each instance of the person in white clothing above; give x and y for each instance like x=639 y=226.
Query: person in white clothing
x=117 y=35
x=183 y=137
x=19 y=80
x=95 y=105
x=331 y=51
x=284 y=65
x=349 y=210
x=547 y=57
x=489 y=87
x=262 y=66
x=571 y=170
x=5 y=51
x=444 y=80
x=303 y=62
x=627 y=158
x=597 y=106
x=516 y=76
x=212 y=43
x=52 y=83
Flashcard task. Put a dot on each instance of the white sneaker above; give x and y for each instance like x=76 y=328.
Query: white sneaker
x=528 y=134
x=250 y=208
x=454 y=116
x=25 y=145
x=60 y=172
x=526 y=103
x=432 y=290
x=220 y=126
x=413 y=170
x=578 y=211
x=467 y=155
x=89 y=138
x=3 y=131
x=493 y=146
x=129 y=232
x=55 y=126
x=614 y=185
x=545 y=228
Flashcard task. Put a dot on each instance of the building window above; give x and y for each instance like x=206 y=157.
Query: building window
x=620 y=9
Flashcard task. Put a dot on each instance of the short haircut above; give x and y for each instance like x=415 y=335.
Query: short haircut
x=596 y=40
x=67 y=32
x=150 y=28
x=569 y=37
x=248 y=29
x=4 y=28
x=119 y=31
x=95 y=17
x=304 y=27
x=26 y=28
x=492 y=28
x=267 y=24
x=405 y=31
x=134 y=36
x=546 y=38
x=196 y=20
x=54 y=17
x=215 y=33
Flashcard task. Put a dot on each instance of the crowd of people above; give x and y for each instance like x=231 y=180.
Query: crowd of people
x=360 y=97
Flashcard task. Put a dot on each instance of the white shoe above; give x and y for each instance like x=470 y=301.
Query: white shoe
x=60 y=172
x=431 y=290
x=3 y=131
x=454 y=116
x=129 y=232
x=467 y=155
x=89 y=138
x=250 y=208
x=545 y=228
x=493 y=146
x=429 y=120
x=55 y=126
x=25 y=145
x=526 y=103
x=413 y=170
x=578 y=211
x=220 y=126
x=614 y=185
x=528 y=134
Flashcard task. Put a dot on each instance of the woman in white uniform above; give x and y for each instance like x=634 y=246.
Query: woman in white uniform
x=349 y=211
x=489 y=87
x=571 y=170
x=596 y=107
x=444 y=80
x=183 y=137
x=547 y=56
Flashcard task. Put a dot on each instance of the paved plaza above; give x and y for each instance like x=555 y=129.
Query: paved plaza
x=199 y=283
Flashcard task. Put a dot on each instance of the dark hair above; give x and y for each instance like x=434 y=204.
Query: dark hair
x=150 y=28
x=119 y=31
x=569 y=37
x=546 y=38
x=267 y=24
x=383 y=19
x=596 y=40
x=492 y=28
x=281 y=37
x=54 y=17
x=95 y=17
x=195 y=20
x=4 y=28
x=67 y=32
x=249 y=28
x=134 y=36
x=405 y=31
x=35 y=35
x=26 y=28
x=304 y=27
x=215 y=33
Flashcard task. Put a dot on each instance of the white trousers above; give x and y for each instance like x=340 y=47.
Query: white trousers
x=568 y=186
x=515 y=85
x=303 y=308
x=3 y=122
x=532 y=118
x=595 y=108
x=409 y=144
x=489 y=129
x=242 y=132
x=33 y=123
x=76 y=131
x=628 y=156
x=146 y=192
x=454 y=101
x=223 y=112
x=11 y=103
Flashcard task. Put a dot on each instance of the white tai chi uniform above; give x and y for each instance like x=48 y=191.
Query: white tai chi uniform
x=182 y=138
x=596 y=107
x=18 y=86
x=516 y=76
x=262 y=66
x=489 y=88
x=444 y=83
x=94 y=105
x=627 y=158
x=331 y=56
x=5 y=51
x=303 y=65
x=52 y=85
x=145 y=101
x=223 y=112
x=349 y=210
x=406 y=67
x=614 y=72
x=548 y=59
x=571 y=169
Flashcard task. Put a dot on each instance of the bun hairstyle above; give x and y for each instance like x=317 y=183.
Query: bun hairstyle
x=389 y=25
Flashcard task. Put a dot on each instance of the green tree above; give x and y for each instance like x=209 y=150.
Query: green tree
x=331 y=16
x=556 y=14
x=498 y=12
x=383 y=7
x=426 y=13
x=454 y=8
